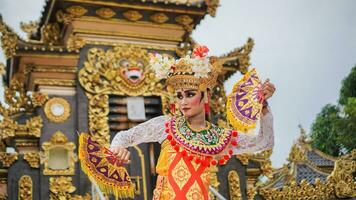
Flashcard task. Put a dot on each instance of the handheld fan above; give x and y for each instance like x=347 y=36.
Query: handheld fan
x=100 y=164
x=245 y=102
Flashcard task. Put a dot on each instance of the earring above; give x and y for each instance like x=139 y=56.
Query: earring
x=206 y=103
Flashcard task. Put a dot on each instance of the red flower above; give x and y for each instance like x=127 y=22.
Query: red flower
x=200 y=51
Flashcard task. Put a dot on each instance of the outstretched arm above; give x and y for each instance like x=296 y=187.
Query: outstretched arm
x=263 y=141
x=149 y=131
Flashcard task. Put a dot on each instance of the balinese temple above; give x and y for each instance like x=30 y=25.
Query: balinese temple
x=84 y=68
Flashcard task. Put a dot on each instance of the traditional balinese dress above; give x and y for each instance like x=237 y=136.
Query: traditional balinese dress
x=187 y=154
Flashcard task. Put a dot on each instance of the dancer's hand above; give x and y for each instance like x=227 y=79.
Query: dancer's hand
x=268 y=89
x=122 y=154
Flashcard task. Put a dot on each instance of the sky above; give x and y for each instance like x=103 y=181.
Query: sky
x=304 y=47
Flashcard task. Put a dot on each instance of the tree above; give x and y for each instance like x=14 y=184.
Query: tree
x=334 y=129
x=348 y=88
x=324 y=132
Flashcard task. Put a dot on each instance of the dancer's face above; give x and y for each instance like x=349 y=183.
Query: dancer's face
x=190 y=102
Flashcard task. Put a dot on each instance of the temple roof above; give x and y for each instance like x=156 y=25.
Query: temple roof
x=305 y=163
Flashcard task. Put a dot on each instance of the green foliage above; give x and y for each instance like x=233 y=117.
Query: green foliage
x=347 y=126
x=348 y=88
x=324 y=130
x=334 y=129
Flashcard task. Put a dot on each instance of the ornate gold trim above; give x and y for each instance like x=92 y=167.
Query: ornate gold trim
x=46 y=68
x=105 y=13
x=59 y=140
x=128 y=34
x=61 y=102
x=33 y=159
x=7 y=159
x=234 y=185
x=55 y=82
x=139 y=7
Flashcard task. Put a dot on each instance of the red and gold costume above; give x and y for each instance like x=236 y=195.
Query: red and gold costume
x=187 y=154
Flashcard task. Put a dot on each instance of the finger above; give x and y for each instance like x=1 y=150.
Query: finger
x=128 y=162
x=127 y=157
x=124 y=155
x=266 y=81
x=114 y=150
x=119 y=154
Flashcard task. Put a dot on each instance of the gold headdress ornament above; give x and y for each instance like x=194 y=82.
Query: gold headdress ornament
x=190 y=72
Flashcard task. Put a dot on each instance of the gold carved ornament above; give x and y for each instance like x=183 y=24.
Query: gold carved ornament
x=122 y=70
x=62 y=188
x=30 y=28
x=75 y=43
x=343 y=176
x=33 y=159
x=8 y=38
x=51 y=34
x=25 y=188
x=212 y=5
x=297 y=154
x=132 y=15
x=340 y=184
x=159 y=18
x=234 y=185
x=2 y=69
x=70 y=14
x=7 y=159
x=76 y=11
x=57 y=110
x=18 y=101
x=186 y=21
x=59 y=142
x=105 y=13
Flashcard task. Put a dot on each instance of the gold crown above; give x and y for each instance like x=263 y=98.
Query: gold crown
x=190 y=72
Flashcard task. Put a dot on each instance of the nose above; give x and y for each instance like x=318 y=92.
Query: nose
x=183 y=101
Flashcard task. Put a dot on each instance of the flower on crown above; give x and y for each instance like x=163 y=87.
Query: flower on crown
x=199 y=64
x=161 y=65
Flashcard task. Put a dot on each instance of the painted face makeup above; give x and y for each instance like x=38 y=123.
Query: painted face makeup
x=190 y=102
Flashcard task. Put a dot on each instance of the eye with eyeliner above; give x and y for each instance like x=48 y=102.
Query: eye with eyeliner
x=179 y=95
x=190 y=94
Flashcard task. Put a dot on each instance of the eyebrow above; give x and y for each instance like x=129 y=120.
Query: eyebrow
x=190 y=91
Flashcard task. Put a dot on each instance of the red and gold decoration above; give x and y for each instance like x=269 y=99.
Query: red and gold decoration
x=196 y=151
x=102 y=168
x=245 y=102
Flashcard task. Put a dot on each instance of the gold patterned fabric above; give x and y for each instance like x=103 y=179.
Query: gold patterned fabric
x=180 y=178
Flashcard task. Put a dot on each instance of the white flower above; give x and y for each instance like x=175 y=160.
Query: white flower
x=201 y=67
x=161 y=65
